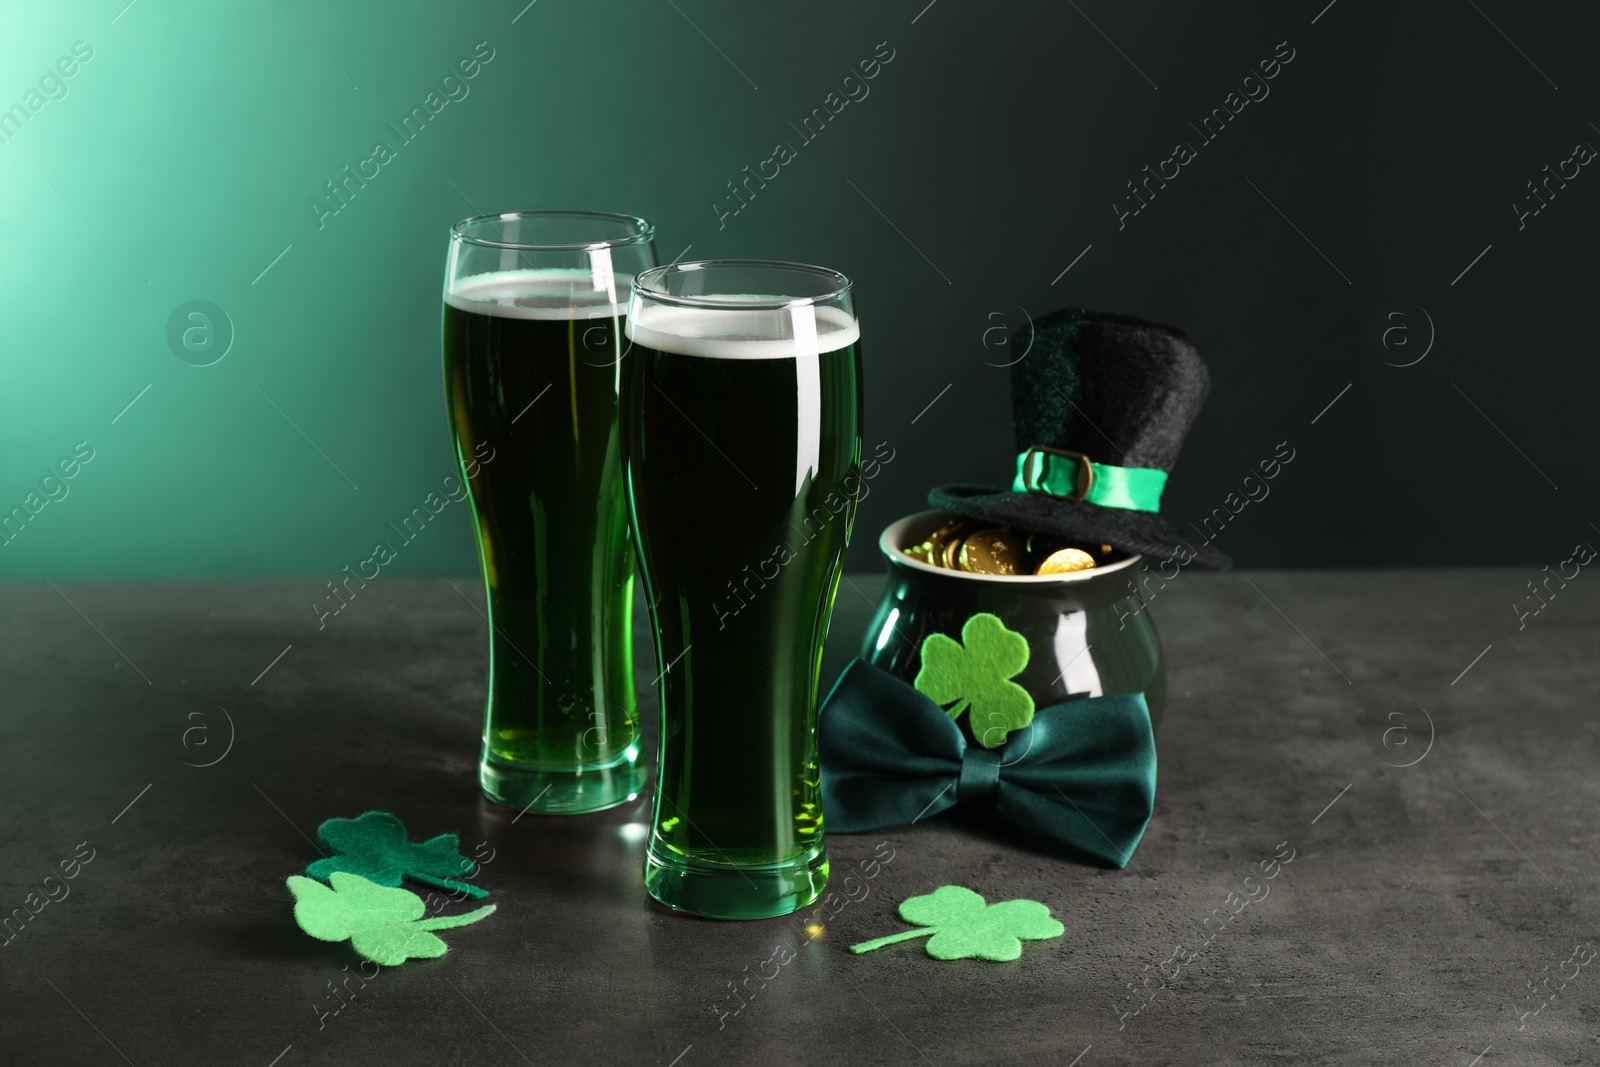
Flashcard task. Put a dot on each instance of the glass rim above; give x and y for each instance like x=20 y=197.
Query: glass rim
x=644 y=230
x=842 y=285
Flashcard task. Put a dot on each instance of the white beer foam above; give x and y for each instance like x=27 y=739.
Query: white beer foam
x=553 y=293
x=743 y=333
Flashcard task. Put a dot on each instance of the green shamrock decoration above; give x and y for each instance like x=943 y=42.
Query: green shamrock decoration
x=976 y=677
x=964 y=927
x=380 y=923
x=377 y=847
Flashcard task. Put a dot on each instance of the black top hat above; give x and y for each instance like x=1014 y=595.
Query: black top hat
x=1100 y=404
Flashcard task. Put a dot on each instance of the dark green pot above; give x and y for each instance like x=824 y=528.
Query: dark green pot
x=1089 y=633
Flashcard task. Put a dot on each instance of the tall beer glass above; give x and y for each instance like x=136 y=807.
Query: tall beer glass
x=533 y=344
x=742 y=432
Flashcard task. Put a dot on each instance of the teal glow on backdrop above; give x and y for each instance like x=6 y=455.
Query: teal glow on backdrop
x=271 y=183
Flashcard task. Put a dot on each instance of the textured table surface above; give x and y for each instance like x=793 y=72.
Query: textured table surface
x=1421 y=905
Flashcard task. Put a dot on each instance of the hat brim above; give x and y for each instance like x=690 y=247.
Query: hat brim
x=1144 y=532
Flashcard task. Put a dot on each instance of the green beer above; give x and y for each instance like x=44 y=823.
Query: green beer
x=742 y=430
x=532 y=363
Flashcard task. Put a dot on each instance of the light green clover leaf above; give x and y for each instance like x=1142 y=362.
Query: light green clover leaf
x=964 y=927
x=385 y=925
x=974 y=674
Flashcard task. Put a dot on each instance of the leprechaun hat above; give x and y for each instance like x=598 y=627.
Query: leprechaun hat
x=1101 y=404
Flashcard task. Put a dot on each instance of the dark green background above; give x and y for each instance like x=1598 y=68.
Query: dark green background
x=995 y=141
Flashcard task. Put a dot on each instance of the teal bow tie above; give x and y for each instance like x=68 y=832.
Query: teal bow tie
x=1081 y=776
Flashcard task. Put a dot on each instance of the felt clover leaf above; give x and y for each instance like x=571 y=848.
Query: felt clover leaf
x=384 y=925
x=976 y=677
x=964 y=927
x=376 y=847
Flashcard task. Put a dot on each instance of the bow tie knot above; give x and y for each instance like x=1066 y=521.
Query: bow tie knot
x=980 y=775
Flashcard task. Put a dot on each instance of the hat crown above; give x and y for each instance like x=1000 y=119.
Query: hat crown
x=1118 y=389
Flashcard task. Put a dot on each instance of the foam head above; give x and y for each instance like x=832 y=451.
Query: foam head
x=553 y=293
x=743 y=333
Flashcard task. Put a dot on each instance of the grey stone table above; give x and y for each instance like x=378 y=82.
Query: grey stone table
x=1421 y=906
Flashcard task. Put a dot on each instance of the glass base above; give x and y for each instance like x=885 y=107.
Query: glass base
x=565 y=791
x=724 y=891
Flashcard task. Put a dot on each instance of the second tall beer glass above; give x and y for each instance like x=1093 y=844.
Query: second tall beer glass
x=533 y=357
x=742 y=432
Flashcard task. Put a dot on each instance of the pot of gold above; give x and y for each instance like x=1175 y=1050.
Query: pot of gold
x=1076 y=604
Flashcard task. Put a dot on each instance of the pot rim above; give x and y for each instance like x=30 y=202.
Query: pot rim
x=893 y=536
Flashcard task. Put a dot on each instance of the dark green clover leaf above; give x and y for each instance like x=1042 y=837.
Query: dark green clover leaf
x=384 y=925
x=377 y=847
x=977 y=675
x=964 y=927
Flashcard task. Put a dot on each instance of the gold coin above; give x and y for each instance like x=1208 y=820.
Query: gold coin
x=949 y=553
x=941 y=540
x=1066 y=561
x=992 y=551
